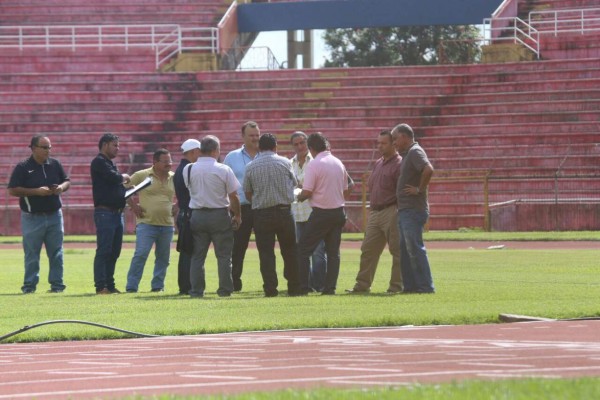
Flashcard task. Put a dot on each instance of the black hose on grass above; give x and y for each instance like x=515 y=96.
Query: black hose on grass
x=73 y=321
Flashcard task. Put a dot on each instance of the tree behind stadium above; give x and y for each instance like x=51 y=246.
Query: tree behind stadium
x=412 y=45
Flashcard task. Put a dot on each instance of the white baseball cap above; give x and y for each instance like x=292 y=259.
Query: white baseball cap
x=190 y=144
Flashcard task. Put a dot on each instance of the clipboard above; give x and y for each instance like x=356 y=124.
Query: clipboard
x=140 y=186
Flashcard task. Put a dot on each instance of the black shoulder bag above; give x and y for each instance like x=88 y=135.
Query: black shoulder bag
x=185 y=240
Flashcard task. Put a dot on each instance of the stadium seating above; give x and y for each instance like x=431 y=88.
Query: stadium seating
x=192 y=13
x=535 y=120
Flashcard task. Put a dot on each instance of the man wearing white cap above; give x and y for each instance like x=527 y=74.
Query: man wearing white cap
x=191 y=152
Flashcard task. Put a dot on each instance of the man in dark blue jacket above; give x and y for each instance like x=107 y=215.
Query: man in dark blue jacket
x=109 y=202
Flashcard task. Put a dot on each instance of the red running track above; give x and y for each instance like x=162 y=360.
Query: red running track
x=263 y=361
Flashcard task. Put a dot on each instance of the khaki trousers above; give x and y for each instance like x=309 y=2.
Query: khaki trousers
x=381 y=228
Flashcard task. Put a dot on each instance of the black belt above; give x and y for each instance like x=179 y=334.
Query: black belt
x=111 y=209
x=277 y=207
x=42 y=212
x=327 y=209
x=209 y=209
x=379 y=208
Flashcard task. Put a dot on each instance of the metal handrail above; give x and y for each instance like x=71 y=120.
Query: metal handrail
x=253 y=58
x=527 y=36
x=204 y=39
x=167 y=47
x=165 y=39
x=85 y=36
x=552 y=18
x=558 y=21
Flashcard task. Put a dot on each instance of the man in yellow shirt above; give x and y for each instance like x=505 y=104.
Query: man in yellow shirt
x=155 y=223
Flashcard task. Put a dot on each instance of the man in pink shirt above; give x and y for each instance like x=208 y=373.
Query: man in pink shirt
x=325 y=183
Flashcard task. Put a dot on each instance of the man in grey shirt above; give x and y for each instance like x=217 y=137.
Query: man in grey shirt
x=413 y=211
x=269 y=184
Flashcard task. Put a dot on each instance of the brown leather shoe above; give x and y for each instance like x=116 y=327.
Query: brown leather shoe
x=103 y=291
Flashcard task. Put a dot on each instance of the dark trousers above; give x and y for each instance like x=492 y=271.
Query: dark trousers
x=269 y=223
x=185 y=260
x=109 y=239
x=323 y=225
x=241 y=237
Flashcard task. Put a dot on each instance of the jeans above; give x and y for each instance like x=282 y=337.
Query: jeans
x=268 y=223
x=416 y=273
x=382 y=228
x=147 y=235
x=318 y=262
x=241 y=238
x=323 y=225
x=44 y=229
x=211 y=225
x=185 y=259
x=109 y=239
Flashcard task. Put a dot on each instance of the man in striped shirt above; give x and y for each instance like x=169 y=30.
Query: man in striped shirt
x=269 y=184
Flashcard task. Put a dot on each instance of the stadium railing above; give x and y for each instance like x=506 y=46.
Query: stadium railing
x=165 y=40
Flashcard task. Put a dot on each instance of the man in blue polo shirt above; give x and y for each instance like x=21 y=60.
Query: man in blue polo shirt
x=237 y=161
x=38 y=182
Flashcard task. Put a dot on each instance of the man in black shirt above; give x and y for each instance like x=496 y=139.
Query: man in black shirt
x=191 y=152
x=109 y=202
x=38 y=182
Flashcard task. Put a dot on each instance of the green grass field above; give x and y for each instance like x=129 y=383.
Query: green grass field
x=473 y=286
x=526 y=389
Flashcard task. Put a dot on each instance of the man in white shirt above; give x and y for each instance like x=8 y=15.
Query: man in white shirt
x=213 y=192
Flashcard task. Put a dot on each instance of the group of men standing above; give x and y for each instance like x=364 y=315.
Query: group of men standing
x=298 y=202
x=254 y=190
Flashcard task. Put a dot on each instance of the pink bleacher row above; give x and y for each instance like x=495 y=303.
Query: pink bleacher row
x=277 y=86
x=94 y=12
x=555 y=4
x=104 y=96
x=458 y=135
x=184 y=18
x=587 y=46
x=157 y=113
x=109 y=59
